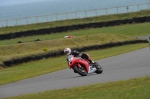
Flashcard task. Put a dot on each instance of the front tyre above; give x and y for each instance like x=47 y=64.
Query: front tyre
x=80 y=70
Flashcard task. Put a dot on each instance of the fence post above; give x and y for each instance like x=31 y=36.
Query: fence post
x=16 y=21
x=117 y=10
x=96 y=11
x=36 y=19
x=6 y=23
x=127 y=9
x=106 y=11
x=56 y=17
x=26 y=20
x=85 y=13
x=46 y=18
x=76 y=15
x=66 y=16
x=138 y=7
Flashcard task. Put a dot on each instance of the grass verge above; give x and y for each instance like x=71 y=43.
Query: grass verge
x=138 y=88
x=35 y=68
x=34 y=48
x=129 y=29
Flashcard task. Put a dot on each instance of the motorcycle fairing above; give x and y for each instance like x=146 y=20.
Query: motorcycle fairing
x=73 y=61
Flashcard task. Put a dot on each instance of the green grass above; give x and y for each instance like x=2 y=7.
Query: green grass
x=138 y=88
x=74 y=21
x=35 y=68
x=34 y=48
x=10 y=49
x=130 y=30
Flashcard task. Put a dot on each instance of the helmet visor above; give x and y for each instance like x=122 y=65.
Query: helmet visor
x=66 y=52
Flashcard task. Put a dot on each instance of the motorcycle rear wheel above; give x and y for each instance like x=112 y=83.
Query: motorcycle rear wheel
x=99 y=68
x=80 y=70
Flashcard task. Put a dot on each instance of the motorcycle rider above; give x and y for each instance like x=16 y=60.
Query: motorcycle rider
x=76 y=53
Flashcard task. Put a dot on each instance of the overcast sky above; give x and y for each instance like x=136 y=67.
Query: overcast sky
x=13 y=2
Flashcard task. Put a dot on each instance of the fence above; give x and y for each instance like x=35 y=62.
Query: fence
x=74 y=15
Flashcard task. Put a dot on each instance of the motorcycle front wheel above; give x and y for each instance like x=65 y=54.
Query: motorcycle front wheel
x=80 y=70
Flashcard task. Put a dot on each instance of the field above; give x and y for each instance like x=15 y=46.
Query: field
x=11 y=49
x=138 y=88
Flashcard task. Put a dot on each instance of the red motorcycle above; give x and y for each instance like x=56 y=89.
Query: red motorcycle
x=83 y=67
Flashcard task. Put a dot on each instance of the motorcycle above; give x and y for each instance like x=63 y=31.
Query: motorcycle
x=83 y=67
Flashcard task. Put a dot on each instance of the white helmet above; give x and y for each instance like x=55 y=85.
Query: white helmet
x=67 y=51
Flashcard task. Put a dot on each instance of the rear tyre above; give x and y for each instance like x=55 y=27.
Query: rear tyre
x=80 y=70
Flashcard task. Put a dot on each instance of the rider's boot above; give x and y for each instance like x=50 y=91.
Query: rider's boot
x=94 y=64
x=91 y=62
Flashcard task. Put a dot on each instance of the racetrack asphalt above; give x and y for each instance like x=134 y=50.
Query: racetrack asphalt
x=121 y=67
